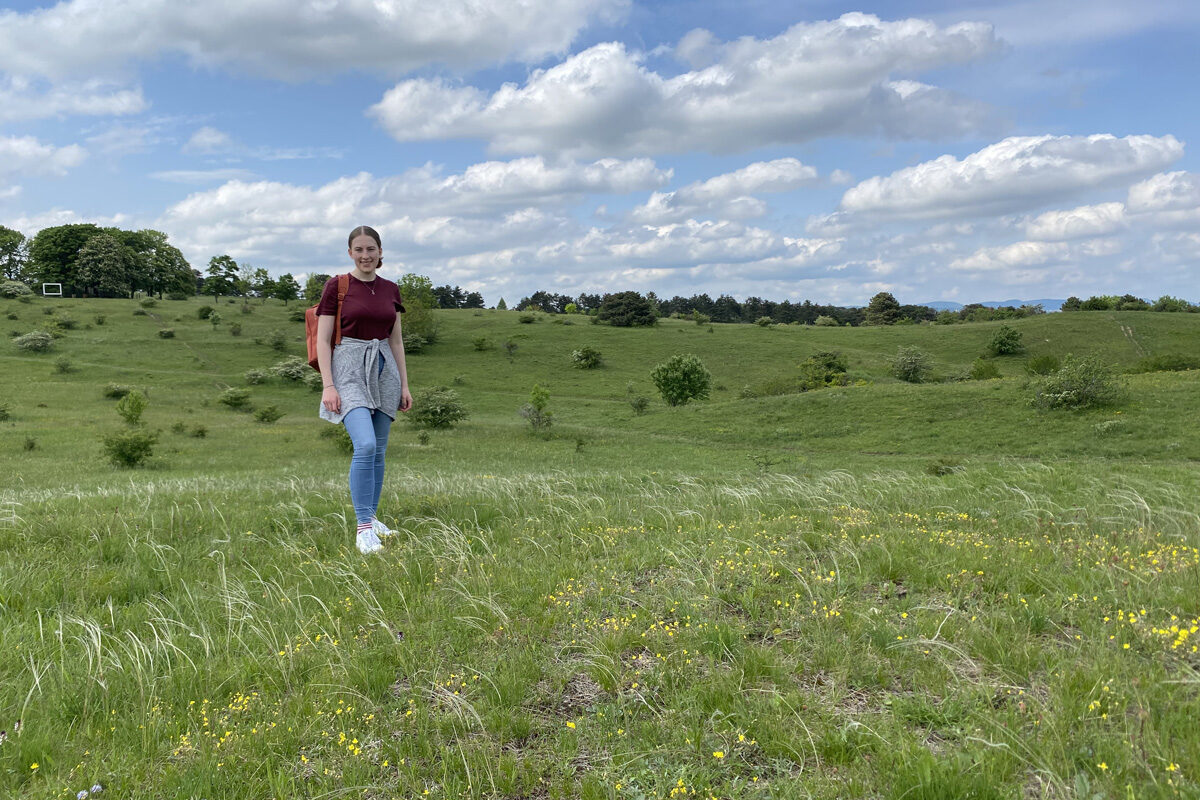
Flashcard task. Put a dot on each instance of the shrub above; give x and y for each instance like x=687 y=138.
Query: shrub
x=700 y=319
x=140 y=312
x=35 y=342
x=682 y=378
x=198 y=432
x=25 y=298
x=481 y=343
x=639 y=403
x=204 y=312
x=1085 y=382
x=237 y=399
x=166 y=333
x=313 y=380
x=235 y=329
x=626 y=309
x=764 y=322
x=116 y=390
x=62 y=365
x=13 y=289
x=940 y=467
x=66 y=323
x=47 y=311
x=296 y=315
x=510 y=349
x=149 y=302
x=291 y=369
x=30 y=444
x=100 y=319
x=214 y=318
x=1042 y=365
x=535 y=411
x=982 y=370
x=826 y=322
x=255 y=376
x=436 y=407
x=131 y=406
x=1166 y=362
x=821 y=369
x=267 y=414
x=586 y=357
x=414 y=343
x=423 y=438
x=526 y=319
x=340 y=438
x=5 y=414
x=177 y=295
x=1006 y=342
x=277 y=340
x=13 y=315
x=130 y=447
x=911 y=364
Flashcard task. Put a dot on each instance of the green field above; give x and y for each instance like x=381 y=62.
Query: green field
x=881 y=590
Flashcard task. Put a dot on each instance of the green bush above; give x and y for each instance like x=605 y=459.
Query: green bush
x=149 y=302
x=166 y=333
x=821 y=369
x=414 y=343
x=214 y=318
x=277 y=340
x=66 y=323
x=100 y=319
x=291 y=369
x=235 y=329
x=255 y=376
x=141 y=312
x=586 y=357
x=527 y=319
x=983 y=370
x=296 y=315
x=131 y=406
x=1085 y=382
x=35 y=342
x=826 y=322
x=313 y=380
x=1042 y=365
x=129 y=447
x=198 y=432
x=235 y=398
x=204 y=312
x=340 y=438
x=700 y=319
x=177 y=295
x=911 y=364
x=267 y=414
x=626 y=309
x=764 y=322
x=535 y=411
x=5 y=414
x=1166 y=362
x=13 y=289
x=436 y=407
x=12 y=315
x=62 y=365
x=481 y=343
x=682 y=378
x=116 y=390
x=1006 y=342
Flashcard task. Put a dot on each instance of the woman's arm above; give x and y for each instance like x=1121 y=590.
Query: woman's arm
x=329 y=395
x=396 y=343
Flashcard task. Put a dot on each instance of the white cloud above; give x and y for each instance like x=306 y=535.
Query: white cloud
x=1170 y=191
x=1077 y=223
x=203 y=175
x=208 y=140
x=22 y=99
x=840 y=177
x=1020 y=254
x=30 y=224
x=290 y=40
x=729 y=195
x=25 y=155
x=1014 y=174
x=814 y=80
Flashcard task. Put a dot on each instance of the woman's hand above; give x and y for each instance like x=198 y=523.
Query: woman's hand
x=405 y=400
x=331 y=400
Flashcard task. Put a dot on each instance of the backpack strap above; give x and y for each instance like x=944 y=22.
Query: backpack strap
x=343 y=287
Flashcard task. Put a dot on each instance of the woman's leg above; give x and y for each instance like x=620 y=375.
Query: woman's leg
x=360 y=426
x=382 y=425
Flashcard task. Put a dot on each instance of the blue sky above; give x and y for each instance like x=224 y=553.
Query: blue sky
x=810 y=150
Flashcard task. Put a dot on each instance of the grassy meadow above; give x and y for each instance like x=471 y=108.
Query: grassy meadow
x=882 y=590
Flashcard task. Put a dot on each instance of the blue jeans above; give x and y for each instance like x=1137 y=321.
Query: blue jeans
x=368 y=431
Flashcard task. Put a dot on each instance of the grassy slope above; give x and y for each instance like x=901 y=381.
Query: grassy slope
x=843 y=626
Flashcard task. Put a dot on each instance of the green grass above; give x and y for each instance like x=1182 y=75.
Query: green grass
x=740 y=598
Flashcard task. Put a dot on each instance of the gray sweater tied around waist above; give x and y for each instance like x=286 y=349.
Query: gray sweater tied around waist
x=359 y=382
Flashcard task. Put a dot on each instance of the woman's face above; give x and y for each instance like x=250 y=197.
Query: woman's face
x=365 y=254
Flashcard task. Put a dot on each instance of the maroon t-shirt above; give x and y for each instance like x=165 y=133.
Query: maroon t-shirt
x=368 y=309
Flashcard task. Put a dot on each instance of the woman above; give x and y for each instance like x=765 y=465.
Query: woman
x=364 y=376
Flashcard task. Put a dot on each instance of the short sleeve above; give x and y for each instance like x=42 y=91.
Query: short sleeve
x=328 y=305
x=399 y=301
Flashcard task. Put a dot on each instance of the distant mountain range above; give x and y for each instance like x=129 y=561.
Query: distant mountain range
x=1049 y=305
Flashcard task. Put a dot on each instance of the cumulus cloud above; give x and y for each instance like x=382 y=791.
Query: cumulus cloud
x=816 y=79
x=289 y=40
x=730 y=195
x=1170 y=191
x=1019 y=254
x=1077 y=223
x=1011 y=175
x=22 y=99
x=25 y=155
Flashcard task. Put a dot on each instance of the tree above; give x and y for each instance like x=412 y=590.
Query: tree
x=222 y=275
x=474 y=300
x=165 y=268
x=682 y=378
x=53 y=252
x=417 y=289
x=726 y=309
x=883 y=309
x=262 y=284
x=101 y=267
x=314 y=286
x=626 y=309
x=286 y=288
x=417 y=293
x=501 y=306
x=14 y=254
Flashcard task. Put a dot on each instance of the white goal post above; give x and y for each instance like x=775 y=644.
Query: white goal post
x=52 y=290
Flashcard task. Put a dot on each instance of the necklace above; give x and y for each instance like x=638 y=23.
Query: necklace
x=369 y=284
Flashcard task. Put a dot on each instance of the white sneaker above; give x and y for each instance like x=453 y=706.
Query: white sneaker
x=381 y=529
x=368 y=542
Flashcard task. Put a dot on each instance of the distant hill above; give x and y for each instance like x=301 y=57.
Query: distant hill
x=1049 y=305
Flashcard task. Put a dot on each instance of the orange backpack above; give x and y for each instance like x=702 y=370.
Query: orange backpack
x=310 y=322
